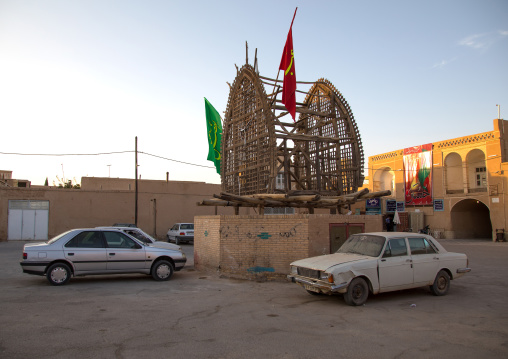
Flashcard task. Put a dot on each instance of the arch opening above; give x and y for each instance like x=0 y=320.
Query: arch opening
x=454 y=174
x=471 y=220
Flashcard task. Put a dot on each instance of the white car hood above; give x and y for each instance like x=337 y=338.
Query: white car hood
x=329 y=260
x=165 y=245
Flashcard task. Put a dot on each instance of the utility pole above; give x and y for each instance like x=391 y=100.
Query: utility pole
x=136 y=182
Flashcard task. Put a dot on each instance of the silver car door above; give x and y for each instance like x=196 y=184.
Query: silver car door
x=395 y=267
x=87 y=252
x=123 y=253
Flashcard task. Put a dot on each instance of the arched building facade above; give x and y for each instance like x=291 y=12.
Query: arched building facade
x=468 y=180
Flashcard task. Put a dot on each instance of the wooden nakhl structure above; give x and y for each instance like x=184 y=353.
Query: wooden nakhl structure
x=270 y=160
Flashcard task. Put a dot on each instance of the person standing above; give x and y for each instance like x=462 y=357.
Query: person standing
x=389 y=224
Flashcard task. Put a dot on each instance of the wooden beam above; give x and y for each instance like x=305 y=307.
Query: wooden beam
x=376 y=194
x=303 y=110
x=229 y=196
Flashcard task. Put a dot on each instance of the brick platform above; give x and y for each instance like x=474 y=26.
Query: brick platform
x=262 y=247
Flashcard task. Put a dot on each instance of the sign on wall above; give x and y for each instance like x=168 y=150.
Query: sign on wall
x=418 y=175
x=391 y=206
x=373 y=206
x=373 y=203
x=439 y=205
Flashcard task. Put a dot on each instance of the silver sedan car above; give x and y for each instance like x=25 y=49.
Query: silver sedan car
x=144 y=237
x=99 y=251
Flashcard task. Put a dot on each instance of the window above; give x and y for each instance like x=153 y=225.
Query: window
x=187 y=226
x=368 y=245
x=279 y=210
x=140 y=236
x=86 y=239
x=395 y=247
x=279 y=181
x=420 y=246
x=119 y=240
x=481 y=176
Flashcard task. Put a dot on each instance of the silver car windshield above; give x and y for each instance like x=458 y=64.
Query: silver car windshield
x=366 y=245
x=141 y=236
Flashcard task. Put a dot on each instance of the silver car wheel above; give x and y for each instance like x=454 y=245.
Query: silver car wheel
x=162 y=270
x=58 y=274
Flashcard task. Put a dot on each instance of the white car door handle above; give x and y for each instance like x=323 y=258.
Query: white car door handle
x=408 y=260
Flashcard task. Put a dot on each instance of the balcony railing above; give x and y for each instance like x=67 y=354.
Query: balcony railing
x=454 y=191
x=477 y=190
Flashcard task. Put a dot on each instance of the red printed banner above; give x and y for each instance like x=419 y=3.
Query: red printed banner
x=418 y=175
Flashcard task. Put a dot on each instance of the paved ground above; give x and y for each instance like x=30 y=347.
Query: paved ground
x=197 y=315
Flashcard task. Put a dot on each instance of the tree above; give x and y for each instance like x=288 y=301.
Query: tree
x=64 y=183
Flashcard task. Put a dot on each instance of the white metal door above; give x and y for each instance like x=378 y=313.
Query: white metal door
x=41 y=224
x=28 y=220
x=28 y=224
x=14 y=224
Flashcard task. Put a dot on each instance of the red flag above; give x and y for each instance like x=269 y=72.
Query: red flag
x=287 y=64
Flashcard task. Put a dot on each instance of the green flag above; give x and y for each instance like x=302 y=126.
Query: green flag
x=214 y=129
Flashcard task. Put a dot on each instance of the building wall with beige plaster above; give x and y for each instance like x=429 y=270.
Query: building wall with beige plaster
x=456 y=163
x=105 y=201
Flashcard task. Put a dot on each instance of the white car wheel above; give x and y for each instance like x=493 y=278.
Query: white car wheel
x=357 y=292
x=441 y=284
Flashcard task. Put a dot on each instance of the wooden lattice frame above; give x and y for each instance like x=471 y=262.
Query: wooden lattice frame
x=320 y=154
x=336 y=163
x=248 y=137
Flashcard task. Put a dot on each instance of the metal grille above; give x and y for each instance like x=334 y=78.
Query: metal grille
x=26 y=204
x=309 y=273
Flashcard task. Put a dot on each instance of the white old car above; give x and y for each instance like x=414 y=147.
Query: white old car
x=380 y=262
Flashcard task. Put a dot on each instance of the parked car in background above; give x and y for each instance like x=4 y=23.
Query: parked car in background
x=98 y=251
x=125 y=225
x=380 y=262
x=139 y=234
x=181 y=232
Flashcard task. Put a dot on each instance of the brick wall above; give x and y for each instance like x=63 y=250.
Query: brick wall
x=207 y=241
x=262 y=247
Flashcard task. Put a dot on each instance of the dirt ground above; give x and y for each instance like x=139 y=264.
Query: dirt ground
x=200 y=315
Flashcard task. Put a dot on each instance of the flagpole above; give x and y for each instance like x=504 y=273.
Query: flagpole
x=293 y=18
x=278 y=72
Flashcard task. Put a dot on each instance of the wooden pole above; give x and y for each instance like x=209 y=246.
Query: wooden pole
x=136 y=181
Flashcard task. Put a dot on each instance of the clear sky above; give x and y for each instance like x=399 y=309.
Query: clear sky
x=86 y=77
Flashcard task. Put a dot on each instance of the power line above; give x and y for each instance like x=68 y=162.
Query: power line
x=193 y=164
x=100 y=154
x=172 y=160
x=63 y=154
